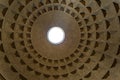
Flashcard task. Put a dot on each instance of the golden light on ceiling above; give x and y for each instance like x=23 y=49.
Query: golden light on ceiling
x=88 y=50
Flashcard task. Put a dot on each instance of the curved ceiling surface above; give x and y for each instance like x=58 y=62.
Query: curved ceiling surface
x=90 y=50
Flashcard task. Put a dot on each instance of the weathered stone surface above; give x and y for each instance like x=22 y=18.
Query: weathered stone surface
x=90 y=51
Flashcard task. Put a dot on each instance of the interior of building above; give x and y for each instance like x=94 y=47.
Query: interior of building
x=59 y=39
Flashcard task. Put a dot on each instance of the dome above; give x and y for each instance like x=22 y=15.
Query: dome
x=87 y=46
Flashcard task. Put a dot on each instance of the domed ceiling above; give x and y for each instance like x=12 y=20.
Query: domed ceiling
x=90 y=50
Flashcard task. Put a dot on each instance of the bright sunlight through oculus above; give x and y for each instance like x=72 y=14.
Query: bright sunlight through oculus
x=56 y=35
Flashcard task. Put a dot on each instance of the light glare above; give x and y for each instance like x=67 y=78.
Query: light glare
x=56 y=35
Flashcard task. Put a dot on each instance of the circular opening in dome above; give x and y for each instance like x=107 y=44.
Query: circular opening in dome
x=56 y=35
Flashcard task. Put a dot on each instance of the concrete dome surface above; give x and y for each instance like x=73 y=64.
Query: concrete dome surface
x=89 y=51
